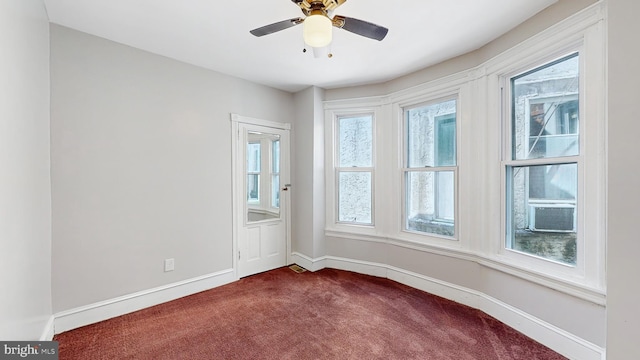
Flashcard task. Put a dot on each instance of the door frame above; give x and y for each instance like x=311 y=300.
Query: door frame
x=237 y=182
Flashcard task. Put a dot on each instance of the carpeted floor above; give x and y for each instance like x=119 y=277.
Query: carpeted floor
x=281 y=314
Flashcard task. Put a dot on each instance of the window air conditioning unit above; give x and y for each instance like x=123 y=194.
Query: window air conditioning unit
x=552 y=217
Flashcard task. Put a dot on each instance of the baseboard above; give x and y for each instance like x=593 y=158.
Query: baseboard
x=361 y=267
x=307 y=262
x=89 y=314
x=547 y=334
x=47 y=332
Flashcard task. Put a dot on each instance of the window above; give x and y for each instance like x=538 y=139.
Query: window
x=430 y=168
x=254 y=156
x=503 y=164
x=542 y=170
x=275 y=173
x=354 y=169
x=263 y=174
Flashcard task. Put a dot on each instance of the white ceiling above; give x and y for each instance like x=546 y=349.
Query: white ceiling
x=214 y=34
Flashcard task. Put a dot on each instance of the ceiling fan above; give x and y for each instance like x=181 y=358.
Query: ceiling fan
x=317 y=24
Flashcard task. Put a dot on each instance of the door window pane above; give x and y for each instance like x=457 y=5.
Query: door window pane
x=275 y=174
x=253 y=188
x=253 y=172
x=275 y=191
x=275 y=156
x=253 y=157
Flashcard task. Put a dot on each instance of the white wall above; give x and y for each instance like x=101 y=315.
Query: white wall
x=302 y=173
x=141 y=166
x=307 y=226
x=623 y=266
x=25 y=192
x=546 y=18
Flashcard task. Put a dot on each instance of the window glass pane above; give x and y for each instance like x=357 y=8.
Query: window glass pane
x=253 y=172
x=275 y=152
x=431 y=202
x=253 y=157
x=275 y=191
x=545 y=111
x=354 y=197
x=355 y=141
x=431 y=135
x=253 y=188
x=543 y=211
x=275 y=176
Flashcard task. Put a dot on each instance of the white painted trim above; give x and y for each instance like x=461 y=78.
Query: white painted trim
x=434 y=90
x=547 y=334
x=552 y=336
x=354 y=103
x=560 y=36
x=356 y=236
x=47 y=332
x=361 y=267
x=103 y=310
x=260 y=122
x=307 y=262
x=577 y=290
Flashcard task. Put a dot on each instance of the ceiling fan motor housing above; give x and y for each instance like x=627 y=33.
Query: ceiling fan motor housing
x=318 y=24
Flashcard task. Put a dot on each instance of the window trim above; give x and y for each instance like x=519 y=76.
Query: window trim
x=509 y=162
x=264 y=202
x=365 y=169
x=273 y=193
x=332 y=175
x=587 y=270
x=255 y=203
x=452 y=95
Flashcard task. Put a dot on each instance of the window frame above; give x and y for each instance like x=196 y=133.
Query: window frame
x=421 y=236
x=264 y=202
x=589 y=248
x=337 y=169
x=255 y=202
x=274 y=193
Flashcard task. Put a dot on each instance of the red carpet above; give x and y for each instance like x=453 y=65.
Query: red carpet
x=329 y=314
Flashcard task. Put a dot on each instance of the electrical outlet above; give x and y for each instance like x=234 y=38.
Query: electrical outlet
x=169 y=264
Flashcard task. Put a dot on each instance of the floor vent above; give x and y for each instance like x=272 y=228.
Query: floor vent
x=298 y=269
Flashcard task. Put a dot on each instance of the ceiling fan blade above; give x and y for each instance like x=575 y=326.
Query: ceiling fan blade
x=271 y=28
x=360 y=27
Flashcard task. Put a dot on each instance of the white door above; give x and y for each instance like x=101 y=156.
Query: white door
x=261 y=168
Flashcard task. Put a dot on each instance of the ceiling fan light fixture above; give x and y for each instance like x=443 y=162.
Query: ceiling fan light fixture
x=317 y=30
